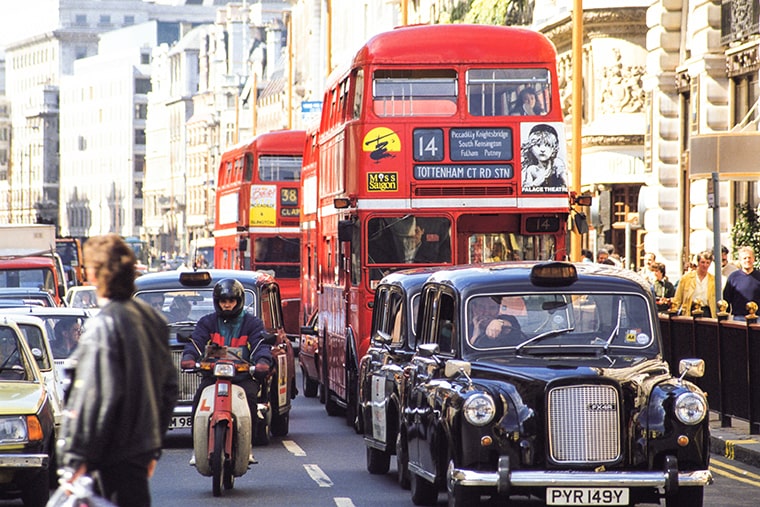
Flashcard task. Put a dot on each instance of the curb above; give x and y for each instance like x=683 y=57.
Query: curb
x=735 y=442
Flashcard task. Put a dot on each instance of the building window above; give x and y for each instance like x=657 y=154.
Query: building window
x=80 y=20
x=129 y=20
x=105 y=20
x=145 y=58
x=142 y=85
x=139 y=163
x=141 y=111
x=139 y=136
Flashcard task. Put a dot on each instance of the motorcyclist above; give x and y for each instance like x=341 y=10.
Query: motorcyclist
x=230 y=326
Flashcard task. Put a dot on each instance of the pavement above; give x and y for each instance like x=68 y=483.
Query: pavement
x=734 y=442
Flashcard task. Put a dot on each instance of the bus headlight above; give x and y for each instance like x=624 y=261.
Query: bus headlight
x=479 y=409
x=690 y=408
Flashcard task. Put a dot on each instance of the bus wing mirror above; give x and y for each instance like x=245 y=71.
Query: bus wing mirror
x=243 y=244
x=345 y=230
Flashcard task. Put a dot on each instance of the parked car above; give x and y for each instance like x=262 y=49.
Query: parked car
x=394 y=316
x=27 y=422
x=309 y=357
x=36 y=335
x=32 y=297
x=193 y=290
x=548 y=379
x=53 y=317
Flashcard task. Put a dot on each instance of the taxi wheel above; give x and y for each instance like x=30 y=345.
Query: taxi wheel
x=310 y=386
x=378 y=462
x=693 y=496
x=402 y=461
x=460 y=496
x=423 y=492
x=280 y=424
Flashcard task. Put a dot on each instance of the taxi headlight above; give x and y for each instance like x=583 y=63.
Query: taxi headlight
x=224 y=370
x=13 y=429
x=479 y=409
x=690 y=408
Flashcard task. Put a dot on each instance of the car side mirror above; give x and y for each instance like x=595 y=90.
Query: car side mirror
x=428 y=349
x=455 y=366
x=382 y=338
x=309 y=330
x=183 y=338
x=691 y=367
x=269 y=338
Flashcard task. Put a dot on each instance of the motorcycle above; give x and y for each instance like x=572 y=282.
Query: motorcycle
x=222 y=421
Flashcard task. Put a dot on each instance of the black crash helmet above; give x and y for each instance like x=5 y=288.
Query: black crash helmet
x=229 y=288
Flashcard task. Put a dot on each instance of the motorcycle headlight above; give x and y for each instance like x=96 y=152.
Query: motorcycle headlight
x=479 y=409
x=224 y=370
x=13 y=430
x=690 y=408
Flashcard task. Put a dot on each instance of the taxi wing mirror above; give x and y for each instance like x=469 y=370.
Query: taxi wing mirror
x=456 y=366
x=428 y=349
x=183 y=338
x=382 y=338
x=691 y=368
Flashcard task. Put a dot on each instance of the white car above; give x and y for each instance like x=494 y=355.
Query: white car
x=51 y=317
x=35 y=332
x=82 y=296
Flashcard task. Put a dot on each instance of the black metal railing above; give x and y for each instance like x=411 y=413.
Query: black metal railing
x=731 y=350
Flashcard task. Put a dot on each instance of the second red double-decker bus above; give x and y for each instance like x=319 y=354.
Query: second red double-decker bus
x=258 y=213
x=438 y=145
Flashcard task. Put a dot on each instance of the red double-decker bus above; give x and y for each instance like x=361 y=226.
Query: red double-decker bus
x=438 y=145
x=258 y=213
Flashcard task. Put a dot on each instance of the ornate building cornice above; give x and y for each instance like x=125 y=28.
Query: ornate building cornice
x=612 y=141
x=597 y=23
x=743 y=61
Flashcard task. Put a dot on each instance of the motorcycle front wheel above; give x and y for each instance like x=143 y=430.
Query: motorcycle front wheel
x=217 y=459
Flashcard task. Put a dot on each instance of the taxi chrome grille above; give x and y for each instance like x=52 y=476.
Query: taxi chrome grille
x=584 y=424
x=187 y=382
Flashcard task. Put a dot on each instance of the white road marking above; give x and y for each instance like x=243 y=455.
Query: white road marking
x=343 y=502
x=293 y=448
x=316 y=473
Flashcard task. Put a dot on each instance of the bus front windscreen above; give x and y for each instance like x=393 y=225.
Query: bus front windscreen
x=409 y=239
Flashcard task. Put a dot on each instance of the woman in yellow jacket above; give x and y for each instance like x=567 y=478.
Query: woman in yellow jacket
x=697 y=285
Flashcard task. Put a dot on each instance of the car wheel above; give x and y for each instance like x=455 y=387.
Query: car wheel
x=423 y=492
x=280 y=424
x=402 y=460
x=459 y=496
x=262 y=432
x=310 y=386
x=378 y=462
x=36 y=492
x=692 y=496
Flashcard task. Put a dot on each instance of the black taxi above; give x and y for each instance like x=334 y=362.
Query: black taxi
x=393 y=341
x=547 y=379
x=186 y=296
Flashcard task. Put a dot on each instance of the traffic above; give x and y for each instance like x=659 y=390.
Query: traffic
x=409 y=259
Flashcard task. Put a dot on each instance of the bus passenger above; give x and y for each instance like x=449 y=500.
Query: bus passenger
x=527 y=104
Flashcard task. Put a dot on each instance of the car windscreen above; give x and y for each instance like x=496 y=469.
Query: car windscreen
x=187 y=305
x=528 y=322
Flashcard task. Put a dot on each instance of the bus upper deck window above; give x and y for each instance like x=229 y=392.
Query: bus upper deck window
x=508 y=92
x=414 y=92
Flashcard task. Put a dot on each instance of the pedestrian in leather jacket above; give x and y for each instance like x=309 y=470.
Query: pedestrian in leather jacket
x=229 y=325
x=124 y=386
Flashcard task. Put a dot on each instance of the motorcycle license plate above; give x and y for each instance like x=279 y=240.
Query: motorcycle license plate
x=586 y=496
x=181 y=422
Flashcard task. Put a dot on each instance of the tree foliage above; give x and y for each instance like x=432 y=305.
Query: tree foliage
x=746 y=230
x=491 y=12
